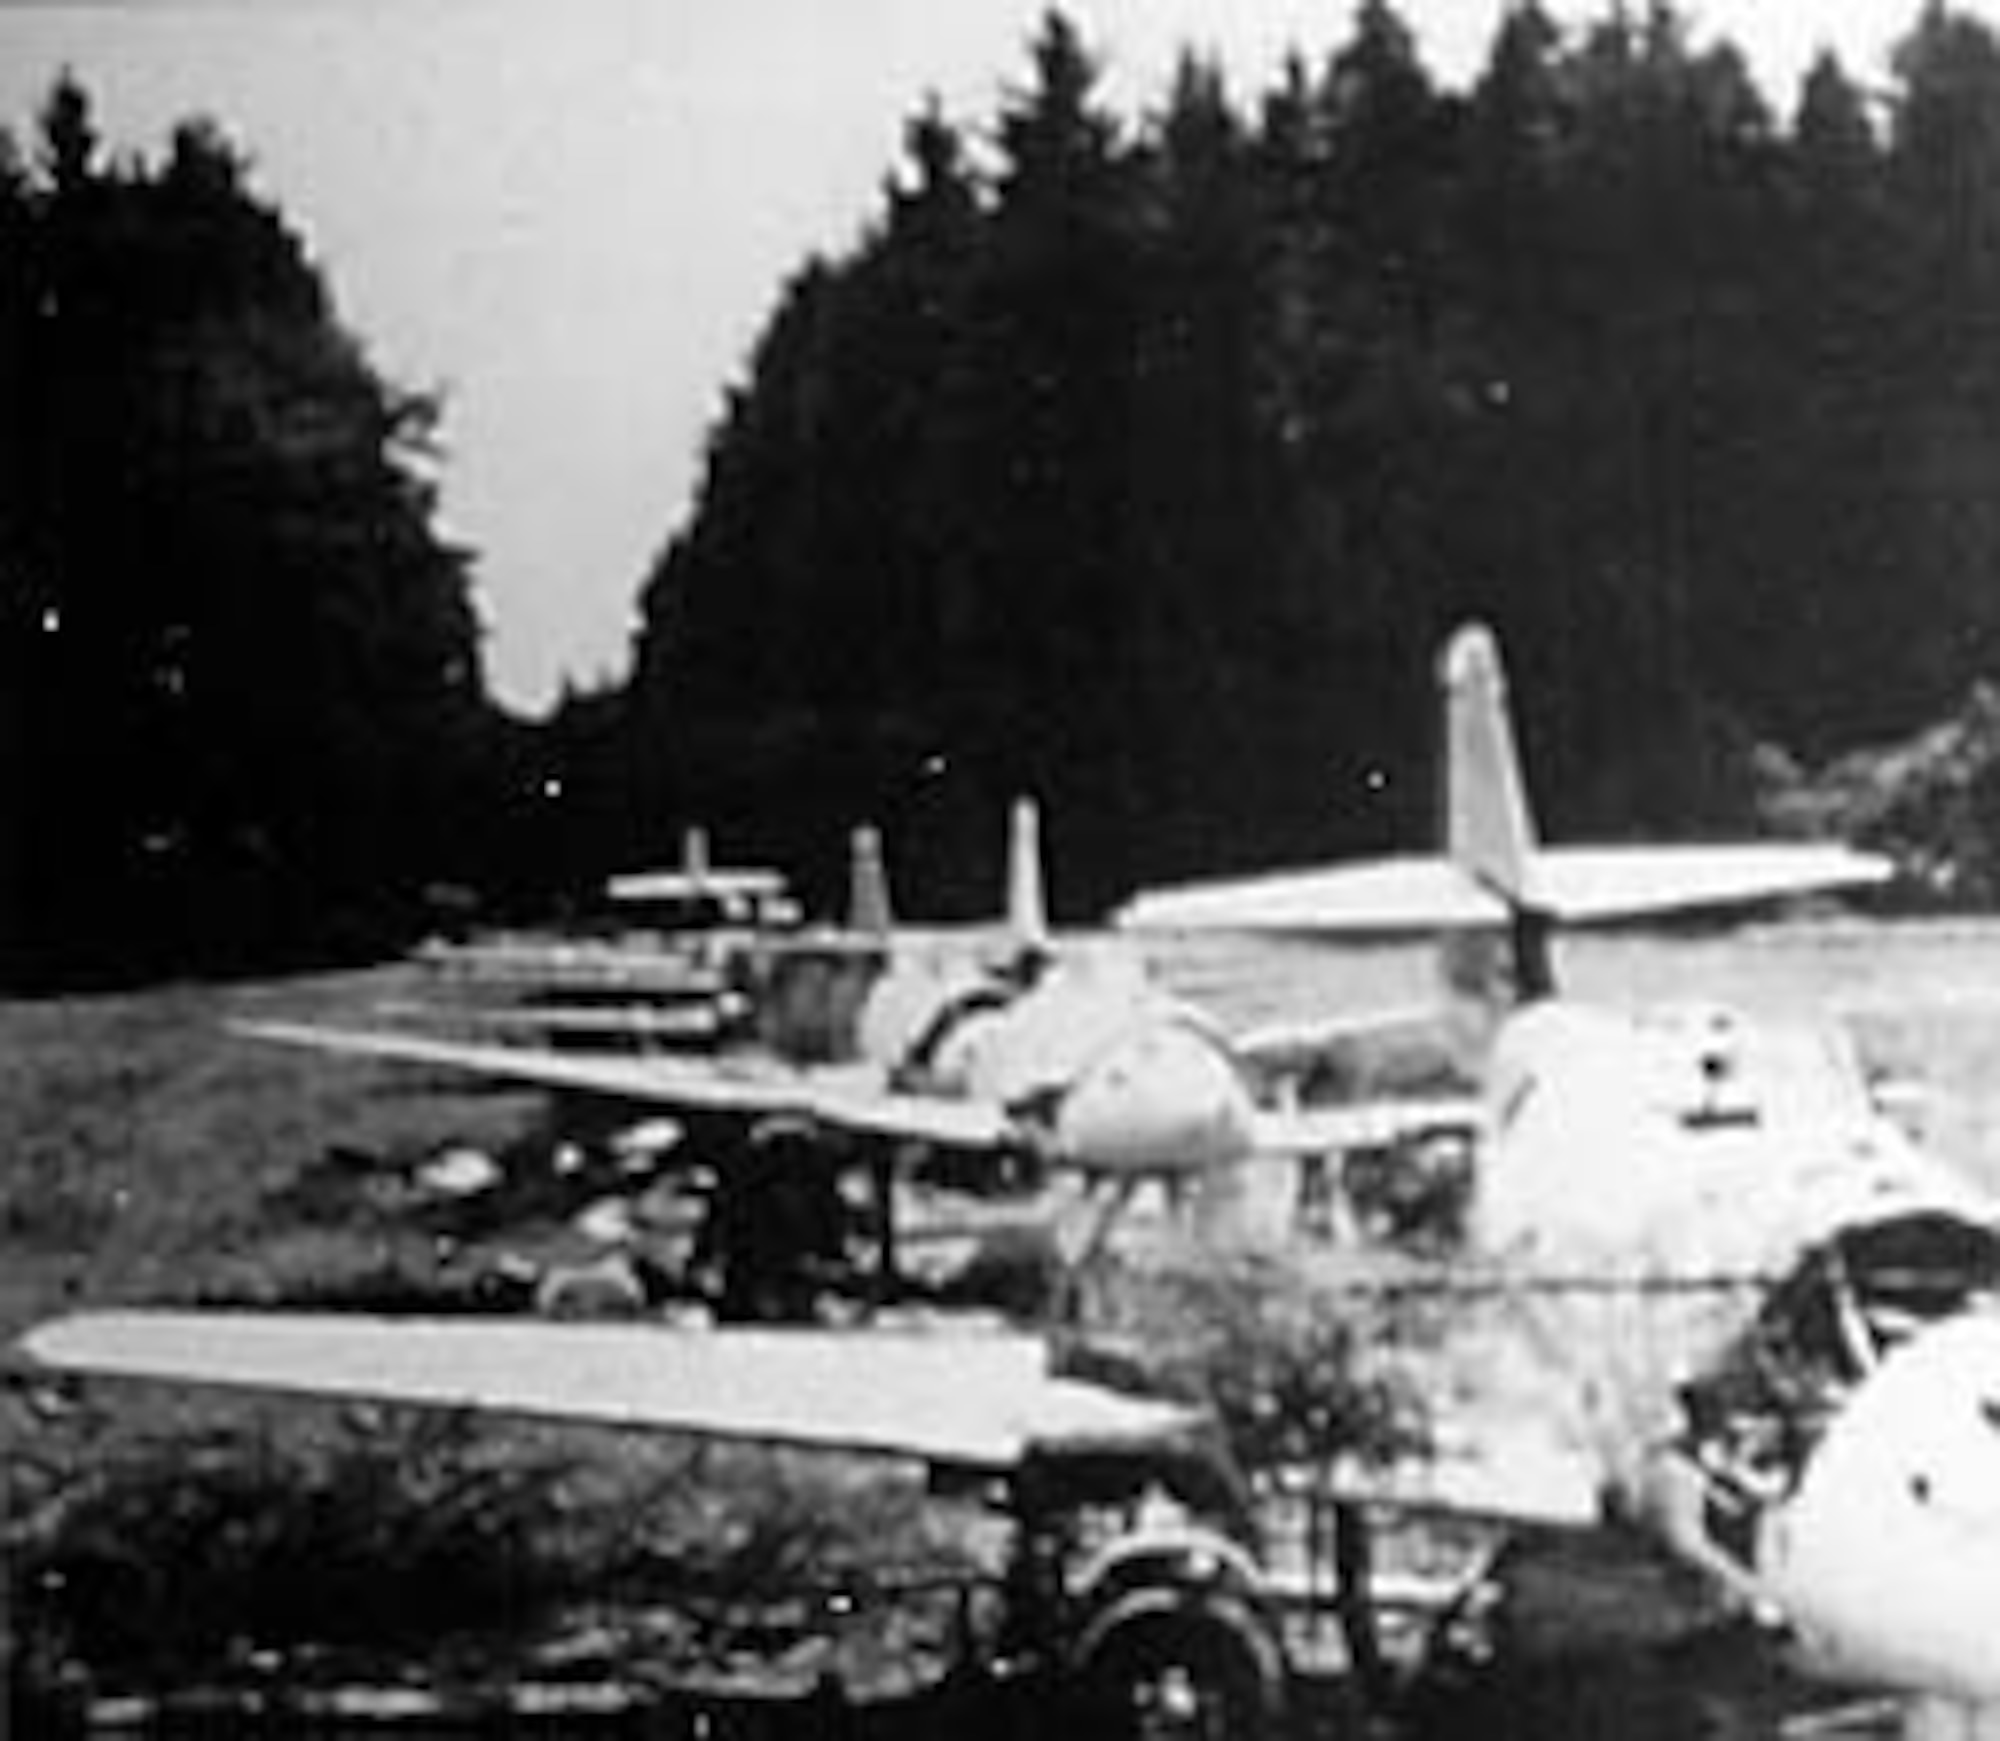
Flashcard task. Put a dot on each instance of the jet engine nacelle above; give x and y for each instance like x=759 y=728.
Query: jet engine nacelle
x=812 y=996
x=910 y=1010
x=1164 y=1100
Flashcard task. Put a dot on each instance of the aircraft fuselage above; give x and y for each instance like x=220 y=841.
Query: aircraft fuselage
x=1780 y=1321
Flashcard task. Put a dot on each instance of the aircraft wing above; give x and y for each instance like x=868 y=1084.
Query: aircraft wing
x=1508 y=1470
x=841 y=1099
x=590 y=1022
x=979 y=1399
x=1279 y=1044
x=634 y=1024
x=1580 y=884
x=1338 y=1130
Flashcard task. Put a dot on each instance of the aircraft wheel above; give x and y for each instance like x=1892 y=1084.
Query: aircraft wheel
x=1160 y=1668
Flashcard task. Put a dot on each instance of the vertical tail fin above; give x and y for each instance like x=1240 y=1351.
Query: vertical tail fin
x=1488 y=831
x=868 y=911
x=1027 y=901
x=694 y=853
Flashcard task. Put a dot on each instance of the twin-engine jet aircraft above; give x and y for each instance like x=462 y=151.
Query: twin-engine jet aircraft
x=993 y=1041
x=666 y=939
x=699 y=893
x=665 y=965
x=1746 y=1313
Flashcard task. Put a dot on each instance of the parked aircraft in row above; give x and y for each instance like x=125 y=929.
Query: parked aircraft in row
x=1708 y=1290
x=994 y=1041
x=666 y=938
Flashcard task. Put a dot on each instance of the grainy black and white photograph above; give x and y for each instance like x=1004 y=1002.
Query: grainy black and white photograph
x=904 y=871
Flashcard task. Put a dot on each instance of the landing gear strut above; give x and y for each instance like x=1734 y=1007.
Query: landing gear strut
x=1354 y=1602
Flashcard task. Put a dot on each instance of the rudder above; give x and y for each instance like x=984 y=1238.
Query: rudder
x=1488 y=829
x=1027 y=898
x=869 y=913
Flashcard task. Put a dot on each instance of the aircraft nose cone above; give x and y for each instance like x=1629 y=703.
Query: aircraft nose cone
x=1164 y=1100
x=1887 y=1561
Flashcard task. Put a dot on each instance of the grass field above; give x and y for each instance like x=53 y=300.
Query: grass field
x=144 y=1138
x=159 y=1539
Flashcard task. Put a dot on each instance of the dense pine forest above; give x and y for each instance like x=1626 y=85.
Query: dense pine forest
x=1140 y=461
x=241 y=712
x=1144 y=463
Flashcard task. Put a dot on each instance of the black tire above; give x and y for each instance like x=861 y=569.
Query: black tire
x=1159 y=1666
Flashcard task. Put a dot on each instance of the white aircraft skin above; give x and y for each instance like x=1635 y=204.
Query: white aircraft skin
x=1764 y=1324
x=1688 y=1166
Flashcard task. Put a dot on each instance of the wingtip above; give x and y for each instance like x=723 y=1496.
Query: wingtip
x=57 y=1345
x=1870 y=869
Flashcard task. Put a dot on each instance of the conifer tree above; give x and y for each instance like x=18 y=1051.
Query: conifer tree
x=248 y=715
x=1146 y=465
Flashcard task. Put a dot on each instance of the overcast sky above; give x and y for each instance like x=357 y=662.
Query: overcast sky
x=573 y=215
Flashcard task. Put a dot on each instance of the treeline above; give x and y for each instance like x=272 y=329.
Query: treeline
x=1139 y=464
x=241 y=711
x=1145 y=465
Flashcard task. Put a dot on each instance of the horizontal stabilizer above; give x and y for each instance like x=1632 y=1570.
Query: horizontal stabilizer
x=1283 y=1044
x=1587 y=883
x=843 y=1099
x=1386 y=895
x=979 y=1399
x=682 y=885
x=1581 y=885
